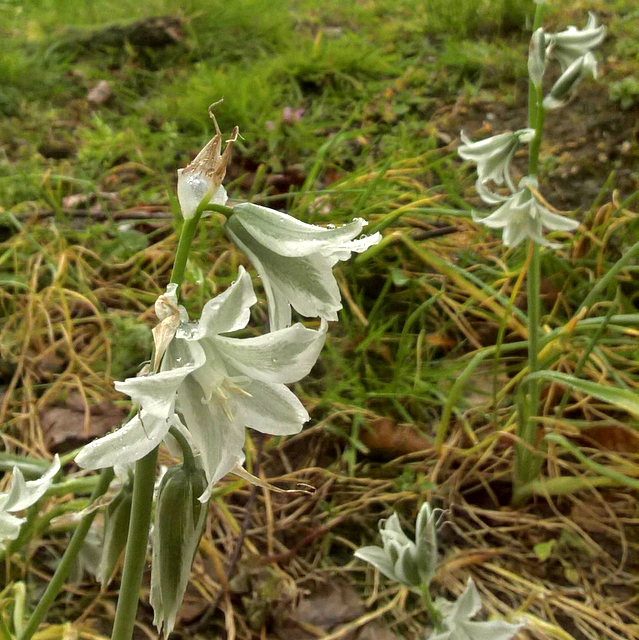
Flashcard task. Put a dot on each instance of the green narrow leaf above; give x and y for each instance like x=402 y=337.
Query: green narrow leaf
x=622 y=398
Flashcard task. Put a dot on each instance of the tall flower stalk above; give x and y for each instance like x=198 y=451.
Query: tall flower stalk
x=527 y=462
x=523 y=214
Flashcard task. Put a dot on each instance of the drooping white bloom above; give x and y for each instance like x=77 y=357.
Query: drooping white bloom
x=569 y=79
x=295 y=259
x=20 y=496
x=523 y=216
x=494 y=155
x=458 y=623
x=211 y=386
x=412 y=563
x=571 y=44
x=201 y=181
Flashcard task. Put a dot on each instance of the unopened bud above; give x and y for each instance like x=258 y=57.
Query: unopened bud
x=569 y=80
x=537 y=57
x=117 y=516
x=179 y=522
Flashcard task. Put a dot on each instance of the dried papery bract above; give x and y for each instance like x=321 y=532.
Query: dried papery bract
x=201 y=181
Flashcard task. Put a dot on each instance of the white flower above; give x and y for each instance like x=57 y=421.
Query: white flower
x=569 y=79
x=295 y=259
x=211 y=386
x=20 y=496
x=459 y=626
x=494 y=155
x=201 y=181
x=571 y=44
x=523 y=216
x=410 y=563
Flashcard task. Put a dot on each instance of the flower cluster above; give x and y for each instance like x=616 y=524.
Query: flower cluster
x=411 y=563
x=521 y=214
x=206 y=384
x=414 y=563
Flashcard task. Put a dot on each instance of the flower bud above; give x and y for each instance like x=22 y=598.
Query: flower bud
x=537 y=57
x=117 y=516
x=179 y=522
x=569 y=80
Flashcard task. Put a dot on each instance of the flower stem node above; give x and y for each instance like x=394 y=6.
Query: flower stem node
x=179 y=522
x=200 y=183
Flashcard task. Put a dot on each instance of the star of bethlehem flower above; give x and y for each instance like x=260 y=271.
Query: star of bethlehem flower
x=494 y=155
x=210 y=386
x=21 y=495
x=569 y=79
x=411 y=563
x=522 y=216
x=295 y=259
x=201 y=181
x=571 y=44
x=458 y=623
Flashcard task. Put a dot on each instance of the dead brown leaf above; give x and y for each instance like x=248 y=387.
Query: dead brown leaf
x=329 y=606
x=388 y=439
x=100 y=94
x=70 y=426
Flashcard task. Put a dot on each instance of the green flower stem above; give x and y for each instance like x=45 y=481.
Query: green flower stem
x=527 y=463
x=64 y=568
x=143 y=483
x=184 y=246
x=5 y=634
x=135 y=555
x=219 y=208
x=187 y=454
x=433 y=613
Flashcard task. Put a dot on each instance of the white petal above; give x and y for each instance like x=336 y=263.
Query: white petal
x=287 y=235
x=282 y=356
x=230 y=311
x=9 y=527
x=378 y=558
x=491 y=630
x=306 y=283
x=468 y=604
x=156 y=393
x=129 y=443
x=218 y=439
x=345 y=249
x=557 y=222
x=23 y=494
x=271 y=408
